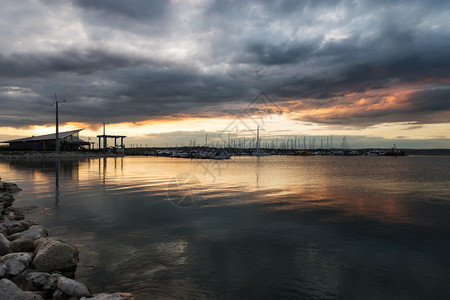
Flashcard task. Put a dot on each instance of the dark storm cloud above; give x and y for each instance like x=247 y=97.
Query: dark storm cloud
x=138 y=60
x=80 y=62
x=268 y=54
x=133 y=9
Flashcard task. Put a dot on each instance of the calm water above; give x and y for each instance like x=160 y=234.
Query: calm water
x=249 y=228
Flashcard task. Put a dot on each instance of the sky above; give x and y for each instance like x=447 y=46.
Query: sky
x=179 y=72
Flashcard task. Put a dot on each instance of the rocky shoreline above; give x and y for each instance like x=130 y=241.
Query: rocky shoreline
x=34 y=265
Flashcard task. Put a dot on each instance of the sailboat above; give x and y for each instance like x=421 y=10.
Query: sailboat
x=258 y=152
x=394 y=152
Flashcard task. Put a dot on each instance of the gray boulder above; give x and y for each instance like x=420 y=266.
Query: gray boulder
x=3 y=230
x=103 y=296
x=15 y=216
x=4 y=245
x=38 y=279
x=59 y=295
x=72 y=287
x=10 y=291
x=22 y=244
x=16 y=262
x=54 y=255
x=106 y=296
x=14 y=213
x=53 y=281
x=16 y=227
x=34 y=232
x=3 y=269
x=7 y=200
x=44 y=281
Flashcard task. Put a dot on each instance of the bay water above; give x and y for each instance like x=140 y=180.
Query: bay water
x=276 y=227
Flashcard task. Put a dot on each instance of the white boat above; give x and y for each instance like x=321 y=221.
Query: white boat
x=181 y=154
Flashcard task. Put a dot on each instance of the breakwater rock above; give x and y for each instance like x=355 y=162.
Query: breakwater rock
x=34 y=265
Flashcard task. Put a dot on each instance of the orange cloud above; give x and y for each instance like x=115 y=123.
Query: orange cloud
x=354 y=104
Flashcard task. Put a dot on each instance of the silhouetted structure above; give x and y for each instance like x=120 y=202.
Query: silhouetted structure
x=115 y=137
x=69 y=140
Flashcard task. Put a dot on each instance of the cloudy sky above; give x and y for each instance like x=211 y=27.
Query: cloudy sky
x=165 y=72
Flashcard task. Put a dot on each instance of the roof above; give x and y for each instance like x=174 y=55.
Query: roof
x=46 y=137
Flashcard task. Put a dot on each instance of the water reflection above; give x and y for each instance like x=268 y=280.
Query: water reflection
x=264 y=227
x=258 y=166
x=58 y=162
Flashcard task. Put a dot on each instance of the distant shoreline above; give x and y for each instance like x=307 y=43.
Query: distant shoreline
x=156 y=151
x=6 y=154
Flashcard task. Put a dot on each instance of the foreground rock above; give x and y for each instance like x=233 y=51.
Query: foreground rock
x=16 y=262
x=55 y=255
x=10 y=291
x=4 y=244
x=22 y=244
x=6 y=201
x=115 y=296
x=9 y=187
x=17 y=227
x=33 y=233
x=34 y=266
x=72 y=288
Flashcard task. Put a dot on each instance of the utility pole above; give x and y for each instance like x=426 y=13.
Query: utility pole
x=57 y=123
x=104 y=137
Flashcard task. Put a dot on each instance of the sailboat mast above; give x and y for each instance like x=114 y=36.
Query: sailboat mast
x=257 y=140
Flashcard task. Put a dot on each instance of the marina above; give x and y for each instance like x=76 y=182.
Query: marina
x=224 y=150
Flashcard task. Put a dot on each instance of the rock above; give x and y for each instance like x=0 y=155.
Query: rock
x=11 y=216
x=115 y=296
x=22 y=244
x=21 y=281
x=4 y=245
x=19 y=216
x=54 y=255
x=3 y=230
x=72 y=287
x=3 y=269
x=38 y=279
x=53 y=281
x=11 y=187
x=106 y=296
x=14 y=213
x=42 y=294
x=7 y=200
x=34 y=232
x=44 y=281
x=20 y=226
x=16 y=262
x=8 y=290
x=58 y=295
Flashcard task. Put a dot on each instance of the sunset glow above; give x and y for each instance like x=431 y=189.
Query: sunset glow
x=173 y=72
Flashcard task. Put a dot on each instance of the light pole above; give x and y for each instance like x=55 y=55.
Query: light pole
x=104 y=137
x=57 y=123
